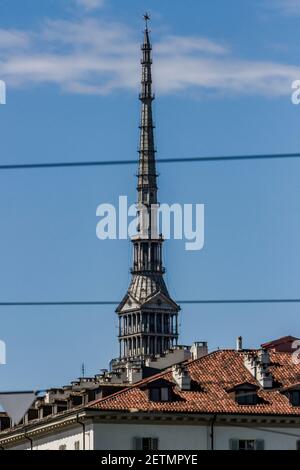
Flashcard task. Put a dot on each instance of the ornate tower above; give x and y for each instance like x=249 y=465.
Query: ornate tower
x=148 y=317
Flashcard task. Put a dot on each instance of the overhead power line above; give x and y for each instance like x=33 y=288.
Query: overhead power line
x=115 y=302
x=30 y=166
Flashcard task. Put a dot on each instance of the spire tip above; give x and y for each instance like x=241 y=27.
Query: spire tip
x=146 y=17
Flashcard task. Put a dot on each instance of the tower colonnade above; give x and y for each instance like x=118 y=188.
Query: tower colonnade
x=147 y=333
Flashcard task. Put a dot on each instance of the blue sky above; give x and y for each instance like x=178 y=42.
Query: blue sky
x=223 y=74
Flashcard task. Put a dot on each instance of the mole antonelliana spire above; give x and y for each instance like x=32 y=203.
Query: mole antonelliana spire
x=148 y=317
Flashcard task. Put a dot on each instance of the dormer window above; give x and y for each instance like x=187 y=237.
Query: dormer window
x=293 y=394
x=160 y=390
x=294 y=397
x=244 y=394
x=159 y=394
x=246 y=397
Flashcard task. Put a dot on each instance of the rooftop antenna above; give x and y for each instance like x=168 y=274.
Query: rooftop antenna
x=83 y=369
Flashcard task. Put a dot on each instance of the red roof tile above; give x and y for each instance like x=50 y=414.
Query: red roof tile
x=283 y=344
x=213 y=375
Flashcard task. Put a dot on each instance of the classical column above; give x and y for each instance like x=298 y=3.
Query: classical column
x=148 y=345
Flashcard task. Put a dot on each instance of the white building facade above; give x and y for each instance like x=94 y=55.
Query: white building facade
x=167 y=433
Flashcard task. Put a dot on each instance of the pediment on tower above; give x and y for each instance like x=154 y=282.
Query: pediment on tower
x=128 y=303
x=156 y=301
x=160 y=301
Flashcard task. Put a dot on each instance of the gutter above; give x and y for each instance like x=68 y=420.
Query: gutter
x=29 y=439
x=83 y=430
x=212 y=429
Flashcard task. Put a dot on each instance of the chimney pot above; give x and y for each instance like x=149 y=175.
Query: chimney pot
x=239 y=343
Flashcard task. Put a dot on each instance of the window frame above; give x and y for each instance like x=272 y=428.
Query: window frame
x=146 y=443
x=292 y=395
x=235 y=444
x=163 y=394
x=246 y=397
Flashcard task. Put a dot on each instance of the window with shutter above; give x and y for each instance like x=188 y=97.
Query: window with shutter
x=159 y=394
x=234 y=444
x=145 y=443
x=246 y=397
x=154 y=394
x=295 y=397
x=154 y=443
x=164 y=394
x=137 y=443
x=246 y=444
x=259 y=444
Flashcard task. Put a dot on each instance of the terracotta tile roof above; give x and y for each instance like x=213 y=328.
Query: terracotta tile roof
x=294 y=386
x=212 y=376
x=284 y=341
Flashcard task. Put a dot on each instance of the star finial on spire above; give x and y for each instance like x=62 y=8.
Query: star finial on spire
x=146 y=18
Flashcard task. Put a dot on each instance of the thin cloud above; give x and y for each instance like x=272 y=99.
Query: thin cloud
x=95 y=57
x=189 y=44
x=90 y=5
x=10 y=38
x=289 y=7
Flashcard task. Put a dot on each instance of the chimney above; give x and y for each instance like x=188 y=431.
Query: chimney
x=181 y=376
x=199 y=349
x=239 y=343
x=264 y=357
x=258 y=364
x=134 y=374
x=263 y=374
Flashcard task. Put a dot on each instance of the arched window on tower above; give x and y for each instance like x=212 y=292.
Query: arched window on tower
x=144 y=346
x=159 y=345
x=158 y=323
x=152 y=345
x=166 y=323
x=154 y=256
x=152 y=323
x=145 y=255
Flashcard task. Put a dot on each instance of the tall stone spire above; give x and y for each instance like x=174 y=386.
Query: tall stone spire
x=147 y=185
x=148 y=323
